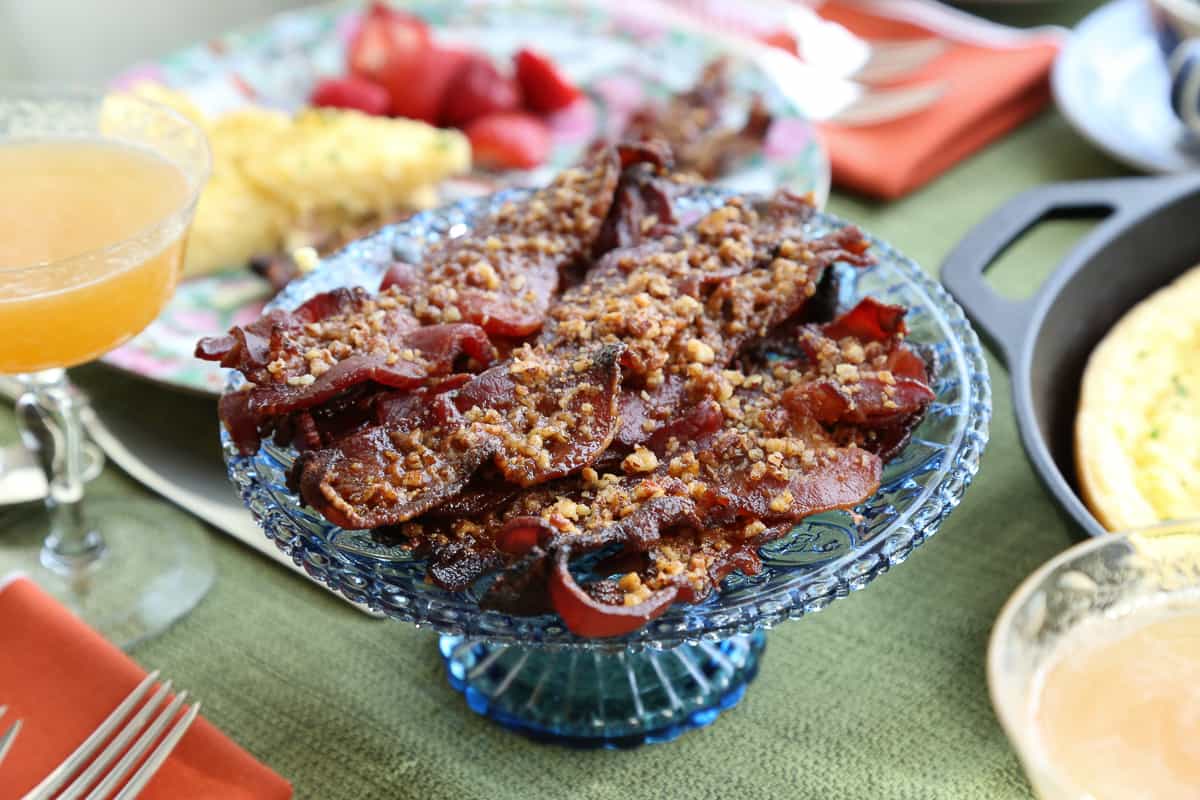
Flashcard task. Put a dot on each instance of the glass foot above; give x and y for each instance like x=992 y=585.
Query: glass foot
x=592 y=698
x=153 y=569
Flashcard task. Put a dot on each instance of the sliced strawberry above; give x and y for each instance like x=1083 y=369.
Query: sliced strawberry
x=477 y=89
x=388 y=43
x=352 y=92
x=509 y=140
x=419 y=91
x=543 y=86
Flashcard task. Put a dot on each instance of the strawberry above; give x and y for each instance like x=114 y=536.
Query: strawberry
x=387 y=40
x=420 y=92
x=352 y=92
x=509 y=140
x=478 y=89
x=543 y=86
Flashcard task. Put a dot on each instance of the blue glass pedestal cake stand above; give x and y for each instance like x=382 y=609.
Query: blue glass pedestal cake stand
x=683 y=669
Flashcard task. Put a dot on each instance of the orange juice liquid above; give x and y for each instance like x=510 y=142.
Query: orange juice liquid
x=1119 y=713
x=61 y=199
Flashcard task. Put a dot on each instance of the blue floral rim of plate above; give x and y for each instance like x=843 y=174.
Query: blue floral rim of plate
x=825 y=557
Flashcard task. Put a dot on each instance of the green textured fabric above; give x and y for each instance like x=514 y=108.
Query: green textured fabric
x=882 y=695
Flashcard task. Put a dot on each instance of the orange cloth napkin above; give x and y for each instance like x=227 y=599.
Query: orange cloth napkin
x=62 y=678
x=992 y=88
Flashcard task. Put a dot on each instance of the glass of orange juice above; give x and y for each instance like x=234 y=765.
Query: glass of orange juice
x=1094 y=668
x=97 y=192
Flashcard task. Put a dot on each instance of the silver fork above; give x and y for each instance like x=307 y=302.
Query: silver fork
x=817 y=94
x=890 y=60
x=7 y=738
x=118 y=734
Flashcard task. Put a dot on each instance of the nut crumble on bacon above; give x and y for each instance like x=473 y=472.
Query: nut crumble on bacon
x=580 y=373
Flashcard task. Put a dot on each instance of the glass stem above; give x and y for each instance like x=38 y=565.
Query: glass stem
x=49 y=415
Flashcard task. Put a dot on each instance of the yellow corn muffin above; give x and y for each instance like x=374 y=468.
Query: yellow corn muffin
x=1137 y=435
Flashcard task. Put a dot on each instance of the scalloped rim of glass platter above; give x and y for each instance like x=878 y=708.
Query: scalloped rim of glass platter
x=882 y=531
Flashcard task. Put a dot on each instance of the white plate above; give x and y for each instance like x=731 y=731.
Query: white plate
x=1111 y=83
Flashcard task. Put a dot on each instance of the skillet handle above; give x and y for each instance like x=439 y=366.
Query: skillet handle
x=1005 y=323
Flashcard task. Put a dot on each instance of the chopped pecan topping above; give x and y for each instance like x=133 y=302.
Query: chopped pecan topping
x=580 y=373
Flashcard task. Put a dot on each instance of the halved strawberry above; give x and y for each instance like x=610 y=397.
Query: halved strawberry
x=509 y=140
x=385 y=39
x=543 y=86
x=477 y=89
x=352 y=92
x=419 y=92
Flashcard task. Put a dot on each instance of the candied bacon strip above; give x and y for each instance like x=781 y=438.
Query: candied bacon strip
x=795 y=488
x=328 y=345
x=863 y=377
x=427 y=353
x=643 y=206
x=869 y=321
x=693 y=561
x=643 y=411
x=423 y=353
x=691 y=122
x=535 y=419
x=275 y=347
x=586 y=616
x=504 y=275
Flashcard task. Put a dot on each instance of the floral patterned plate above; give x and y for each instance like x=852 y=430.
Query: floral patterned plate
x=620 y=61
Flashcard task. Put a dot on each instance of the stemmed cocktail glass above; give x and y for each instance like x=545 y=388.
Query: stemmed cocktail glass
x=97 y=192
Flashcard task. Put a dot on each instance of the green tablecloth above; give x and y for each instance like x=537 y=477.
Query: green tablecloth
x=880 y=696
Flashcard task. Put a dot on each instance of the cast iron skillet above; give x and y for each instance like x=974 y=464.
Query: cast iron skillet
x=1151 y=235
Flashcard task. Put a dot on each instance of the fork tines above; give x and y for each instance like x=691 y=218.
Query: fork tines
x=114 y=736
x=6 y=738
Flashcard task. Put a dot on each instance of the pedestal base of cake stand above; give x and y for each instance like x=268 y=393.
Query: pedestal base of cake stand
x=585 y=697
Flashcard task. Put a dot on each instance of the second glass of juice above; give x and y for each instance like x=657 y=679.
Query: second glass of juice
x=1094 y=668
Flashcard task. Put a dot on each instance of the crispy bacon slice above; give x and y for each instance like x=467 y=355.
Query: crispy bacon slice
x=692 y=123
x=504 y=276
x=862 y=377
x=869 y=321
x=645 y=411
x=535 y=419
x=587 y=616
x=643 y=206
x=376 y=343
